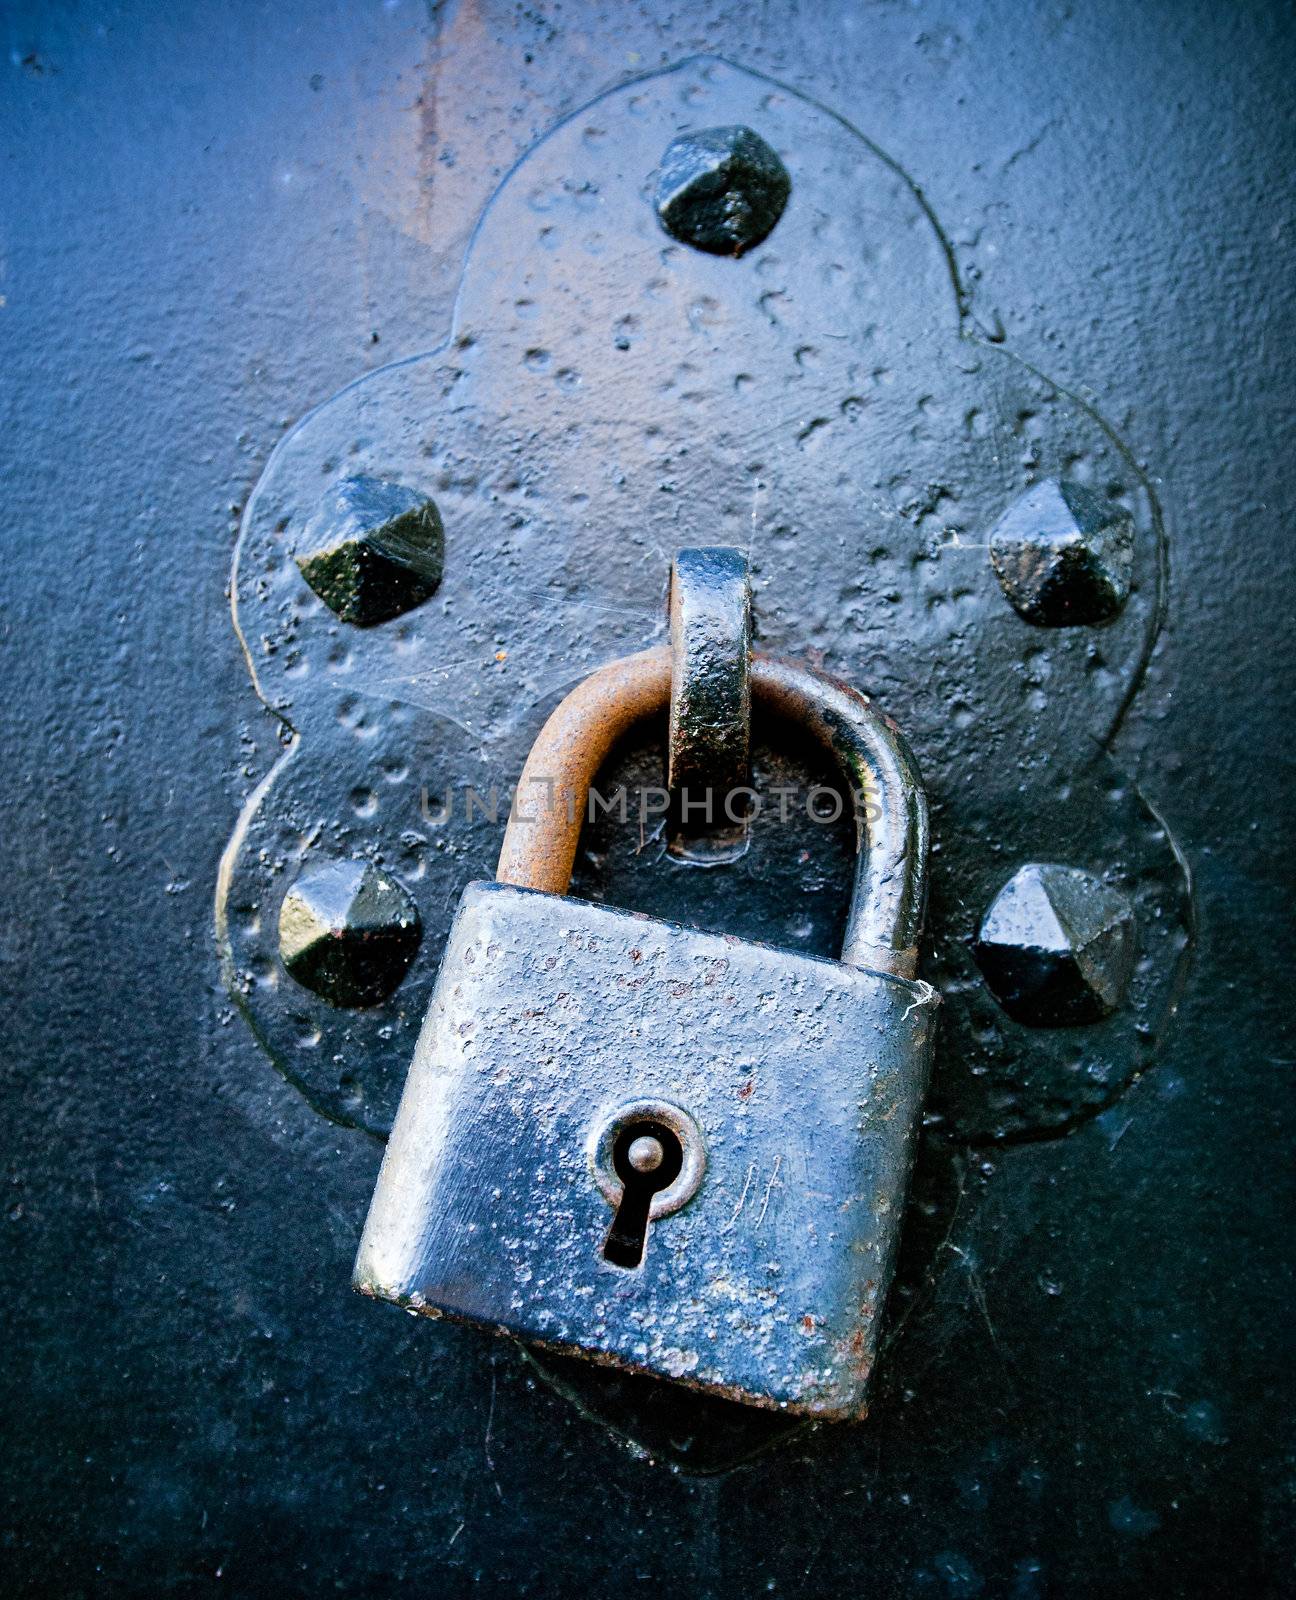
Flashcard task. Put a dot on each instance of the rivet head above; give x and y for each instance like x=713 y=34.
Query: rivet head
x=373 y=551
x=1056 y=946
x=348 y=932
x=1064 y=555
x=645 y=1153
x=721 y=190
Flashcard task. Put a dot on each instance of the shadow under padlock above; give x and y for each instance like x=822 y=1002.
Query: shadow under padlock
x=702 y=1434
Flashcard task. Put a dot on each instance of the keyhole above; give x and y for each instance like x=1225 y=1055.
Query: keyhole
x=647 y=1157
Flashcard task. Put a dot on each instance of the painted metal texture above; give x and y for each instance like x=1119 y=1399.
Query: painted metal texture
x=219 y=217
x=804 y=1077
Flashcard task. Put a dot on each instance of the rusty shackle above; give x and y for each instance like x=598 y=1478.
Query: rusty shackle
x=887 y=902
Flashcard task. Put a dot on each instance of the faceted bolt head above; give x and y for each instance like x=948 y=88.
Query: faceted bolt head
x=1057 y=946
x=373 y=551
x=348 y=932
x=721 y=190
x=1064 y=555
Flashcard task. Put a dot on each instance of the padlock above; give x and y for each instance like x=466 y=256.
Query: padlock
x=674 y=1151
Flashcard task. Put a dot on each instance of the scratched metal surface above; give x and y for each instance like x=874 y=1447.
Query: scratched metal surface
x=805 y=1079
x=221 y=217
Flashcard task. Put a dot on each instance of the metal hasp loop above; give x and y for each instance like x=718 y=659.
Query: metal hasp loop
x=710 y=699
x=887 y=902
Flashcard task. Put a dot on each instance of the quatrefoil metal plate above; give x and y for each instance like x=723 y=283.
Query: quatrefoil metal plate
x=608 y=394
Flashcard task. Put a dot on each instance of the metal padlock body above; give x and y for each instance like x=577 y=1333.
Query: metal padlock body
x=801 y=1078
x=804 y=1076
